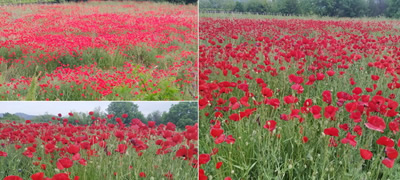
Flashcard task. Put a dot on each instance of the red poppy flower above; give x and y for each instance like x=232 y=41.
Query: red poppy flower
x=4 y=154
x=273 y=102
x=38 y=176
x=244 y=101
x=151 y=123
x=376 y=123
x=349 y=139
x=305 y=139
x=357 y=90
x=344 y=127
x=64 y=163
x=202 y=176
x=316 y=111
x=218 y=165
x=169 y=176
x=270 y=125
x=388 y=162
x=330 y=112
x=12 y=177
x=142 y=174
x=330 y=73
x=385 y=141
x=391 y=153
x=332 y=131
x=216 y=132
x=229 y=139
x=332 y=142
x=295 y=79
x=290 y=99
x=267 y=92
x=374 y=77
x=73 y=149
x=122 y=148
x=394 y=126
x=366 y=154
x=320 y=76
x=218 y=114
x=60 y=176
x=204 y=158
x=234 y=117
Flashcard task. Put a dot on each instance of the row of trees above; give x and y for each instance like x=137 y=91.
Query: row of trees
x=181 y=114
x=171 y=1
x=11 y=117
x=339 y=8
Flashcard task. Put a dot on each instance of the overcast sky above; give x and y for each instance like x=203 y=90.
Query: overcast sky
x=64 y=107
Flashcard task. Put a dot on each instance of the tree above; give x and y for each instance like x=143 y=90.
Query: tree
x=183 y=1
x=350 y=8
x=289 y=7
x=257 y=6
x=43 y=118
x=155 y=116
x=11 y=117
x=182 y=114
x=129 y=108
x=325 y=7
x=228 y=4
x=393 y=9
x=307 y=7
x=238 y=7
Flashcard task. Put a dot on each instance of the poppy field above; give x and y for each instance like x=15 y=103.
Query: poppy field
x=98 y=51
x=299 y=99
x=64 y=148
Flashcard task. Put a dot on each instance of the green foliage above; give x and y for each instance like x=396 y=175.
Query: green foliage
x=42 y=118
x=335 y=8
x=28 y=1
x=31 y=96
x=182 y=114
x=174 y=1
x=257 y=6
x=119 y=108
x=350 y=8
x=238 y=7
x=11 y=117
x=155 y=116
x=289 y=7
x=393 y=9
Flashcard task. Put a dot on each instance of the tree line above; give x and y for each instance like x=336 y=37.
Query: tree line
x=181 y=114
x=335 y=8
x=171 y=1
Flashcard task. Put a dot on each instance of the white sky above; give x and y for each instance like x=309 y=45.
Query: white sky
x=64 y=107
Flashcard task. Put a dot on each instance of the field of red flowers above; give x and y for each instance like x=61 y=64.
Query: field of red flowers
x=299 y=99
x=98 y=51
x=62 y=149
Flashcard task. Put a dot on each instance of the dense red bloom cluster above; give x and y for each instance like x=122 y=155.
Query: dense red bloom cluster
x=279 y=66
x=71 y=42
x=66 y=145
